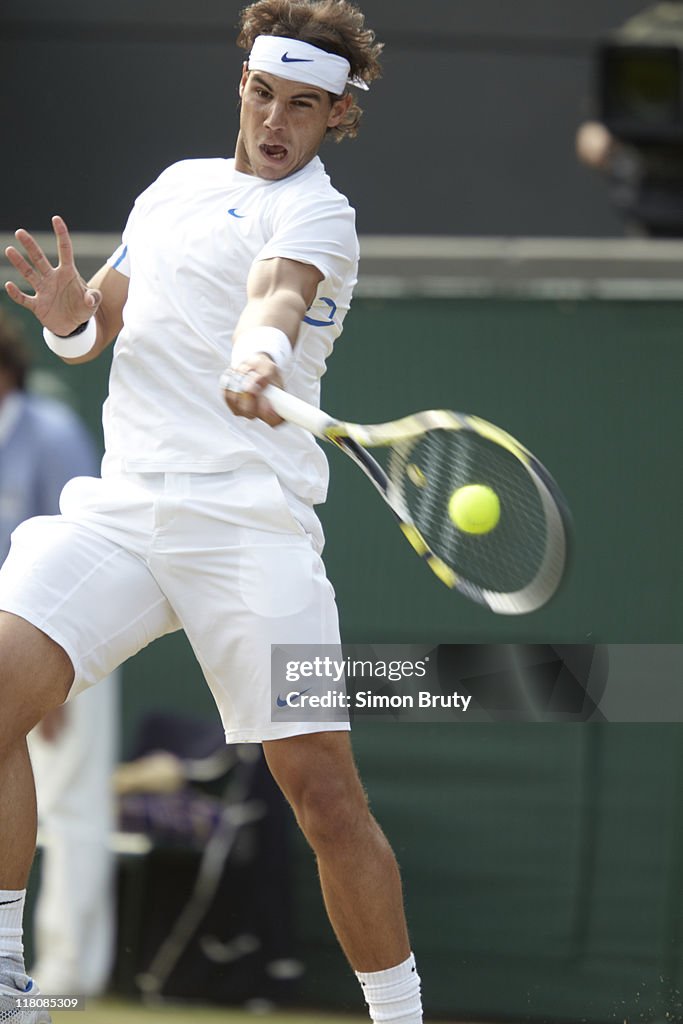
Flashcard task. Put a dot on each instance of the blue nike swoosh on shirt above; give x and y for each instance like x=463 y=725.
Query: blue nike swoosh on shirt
x=234 y=213
x=296 y=60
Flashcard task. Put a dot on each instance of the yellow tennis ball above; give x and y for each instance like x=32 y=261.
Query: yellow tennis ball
x=474 y=508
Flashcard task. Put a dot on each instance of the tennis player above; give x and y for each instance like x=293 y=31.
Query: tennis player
x=204 y=518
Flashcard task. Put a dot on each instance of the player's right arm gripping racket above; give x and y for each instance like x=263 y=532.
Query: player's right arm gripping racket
x=512 y=568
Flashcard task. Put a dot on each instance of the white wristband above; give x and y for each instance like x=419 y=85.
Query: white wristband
x=74 y=346
x=269 y=340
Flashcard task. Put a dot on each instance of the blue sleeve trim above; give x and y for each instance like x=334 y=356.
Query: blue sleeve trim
x=330 y=318
x=121 y=257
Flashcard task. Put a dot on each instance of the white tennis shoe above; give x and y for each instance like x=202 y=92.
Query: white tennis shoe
x=13 y=1012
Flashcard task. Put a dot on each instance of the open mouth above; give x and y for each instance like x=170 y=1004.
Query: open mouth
x=274 y=152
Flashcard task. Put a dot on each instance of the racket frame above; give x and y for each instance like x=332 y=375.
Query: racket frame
x=354 y=438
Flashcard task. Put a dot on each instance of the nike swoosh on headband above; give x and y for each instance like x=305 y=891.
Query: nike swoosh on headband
x=5 y=903
x=295 y=60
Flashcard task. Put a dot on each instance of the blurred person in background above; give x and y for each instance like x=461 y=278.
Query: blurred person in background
x=42 y=445
x=645 y=182
x=635 y=138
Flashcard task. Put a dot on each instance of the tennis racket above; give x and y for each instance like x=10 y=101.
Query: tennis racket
x=513 y=568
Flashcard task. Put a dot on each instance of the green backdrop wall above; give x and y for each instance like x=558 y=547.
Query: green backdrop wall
x=543 y=864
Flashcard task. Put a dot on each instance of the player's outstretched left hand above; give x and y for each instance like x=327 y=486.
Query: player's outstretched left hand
x=62 y=299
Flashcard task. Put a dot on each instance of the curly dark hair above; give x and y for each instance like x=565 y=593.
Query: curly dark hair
x=335 y=26
x=14 y=354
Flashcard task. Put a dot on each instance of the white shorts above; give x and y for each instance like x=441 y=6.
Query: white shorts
x=224 y=556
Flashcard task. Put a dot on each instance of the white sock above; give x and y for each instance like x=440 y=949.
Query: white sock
x=393 y=996
x=11 y=936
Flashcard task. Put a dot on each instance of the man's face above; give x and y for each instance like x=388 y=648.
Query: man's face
x=282 y=124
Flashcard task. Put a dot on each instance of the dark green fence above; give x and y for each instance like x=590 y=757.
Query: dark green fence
x=543 y=864
x=542 y=867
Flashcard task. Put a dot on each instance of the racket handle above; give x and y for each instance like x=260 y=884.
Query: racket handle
x=296 y=411
x=291 y=408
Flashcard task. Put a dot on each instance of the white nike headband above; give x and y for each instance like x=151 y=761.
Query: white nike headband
x=302 y=62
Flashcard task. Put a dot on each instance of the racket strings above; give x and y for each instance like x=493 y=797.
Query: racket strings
x=428 y=471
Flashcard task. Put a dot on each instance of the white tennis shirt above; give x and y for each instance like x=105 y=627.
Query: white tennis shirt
x=187 y=248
